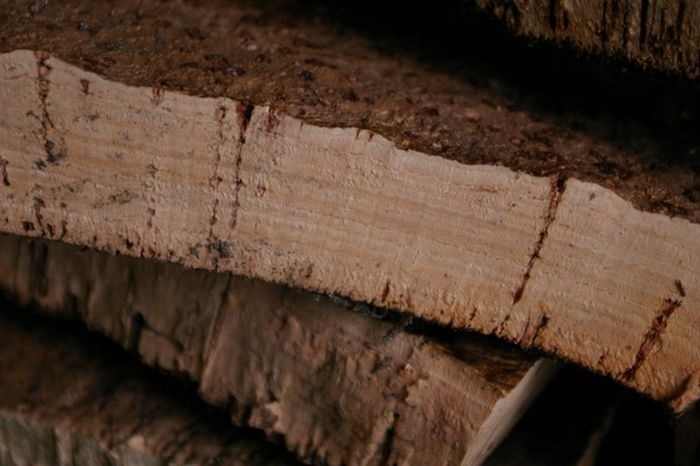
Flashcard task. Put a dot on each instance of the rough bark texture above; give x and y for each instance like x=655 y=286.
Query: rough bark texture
x=337 y=386
x=70 y=399
x=307 y=191
x=559 y=264
x=305 y=66
x=660 y=34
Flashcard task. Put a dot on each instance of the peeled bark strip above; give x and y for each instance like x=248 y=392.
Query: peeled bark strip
x=662 y=34
x=559 y=264
x=337 y=386
x=70 y=399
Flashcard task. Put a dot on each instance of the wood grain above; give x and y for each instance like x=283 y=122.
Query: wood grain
x=659 y=34
x=70 y=398
x=562 y=265
x=336 y=386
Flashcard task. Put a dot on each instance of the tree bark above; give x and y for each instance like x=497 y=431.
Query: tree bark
x=336 y=386
x=423 y=193
x=659 y=34
x=71 y=399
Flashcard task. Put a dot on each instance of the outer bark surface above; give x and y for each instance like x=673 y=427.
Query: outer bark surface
x=70 y=399
x=559 y=264
x=326 y=178
x=304 y=65
x=660 y=34
x=336 y=386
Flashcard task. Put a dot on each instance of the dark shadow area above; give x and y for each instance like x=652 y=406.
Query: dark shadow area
x=43 y=360
x=579 y=415
x=605 y=97
x=581 y=418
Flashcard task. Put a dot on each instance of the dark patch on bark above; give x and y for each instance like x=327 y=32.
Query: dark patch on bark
x=385 y=292
x=38 y=205
x=553 y=14
x=3 y=171
x=222 y=248
x=64 y=229
x=151 y=213
x=388 y=442
x=272 y=120
x=237 y=188
x=643 y=23
x=135 y=330
x=680 y=288
x=55 y=152
x=215 y=179
x=157 y=95
x=244 y=113
x=680 y=19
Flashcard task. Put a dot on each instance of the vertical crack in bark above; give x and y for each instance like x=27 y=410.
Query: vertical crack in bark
x=557 y=188
x=38 y=205
x=387 y=442
x=245 y=112
x=55 y=151
x=134 y=332
x=3 y=171
x=211 y=339
x=680 y=288
x=532 y=331
x=553 y=15
x=644 y=13
x=136 y=329
x=215 y=181
x=680 y=20
x=39 y=262
x=652 y=337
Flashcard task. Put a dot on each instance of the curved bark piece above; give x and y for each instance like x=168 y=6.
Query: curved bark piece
x=559 y=264
x=661 y=34
x=338 y=387
x=71 y=399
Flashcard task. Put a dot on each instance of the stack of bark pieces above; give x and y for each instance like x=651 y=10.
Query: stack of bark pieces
x=335 y=239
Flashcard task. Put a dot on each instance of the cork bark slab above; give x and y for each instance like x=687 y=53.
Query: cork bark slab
x=660 y=34
x=336 y=386
x=559 y=264
x=71 y=399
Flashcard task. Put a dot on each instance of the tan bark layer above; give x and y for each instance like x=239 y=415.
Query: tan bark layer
x=316 y=68
x=71 y=400
x=337 y=386
x=562 y=265
x=660 y=34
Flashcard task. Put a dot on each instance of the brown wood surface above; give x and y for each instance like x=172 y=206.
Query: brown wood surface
x=303 y=155
x=73 y=398
x=68 y=398
x=334 y=385
x=662 y=35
